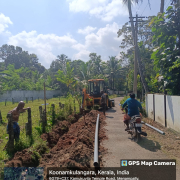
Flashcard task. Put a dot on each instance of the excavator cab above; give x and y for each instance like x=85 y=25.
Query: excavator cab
x=92 y=95
x=95 y=87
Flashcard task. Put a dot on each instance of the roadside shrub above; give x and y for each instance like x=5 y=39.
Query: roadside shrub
x=124 y=99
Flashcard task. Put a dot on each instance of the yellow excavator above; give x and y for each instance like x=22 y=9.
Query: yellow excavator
x=92 y=95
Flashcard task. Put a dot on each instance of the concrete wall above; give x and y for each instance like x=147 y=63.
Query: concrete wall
x=22 y=95
x=149 y=105
x=159 y=109
x=173 y=112
x=115 y=92
x=120 y=92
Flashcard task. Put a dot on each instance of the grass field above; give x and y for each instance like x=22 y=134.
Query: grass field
x=35 y=141
x=26 y=142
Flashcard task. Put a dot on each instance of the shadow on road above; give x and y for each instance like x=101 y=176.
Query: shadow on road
x=150 y=145
x=111 y=110
x=109 y=117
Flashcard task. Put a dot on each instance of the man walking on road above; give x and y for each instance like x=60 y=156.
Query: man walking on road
x=15 y=117
x=133 y=109
x=103 y=101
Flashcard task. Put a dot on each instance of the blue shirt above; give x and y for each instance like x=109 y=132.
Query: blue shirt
x=133 y=106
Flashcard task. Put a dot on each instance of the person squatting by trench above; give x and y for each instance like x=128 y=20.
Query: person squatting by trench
x=15 y=118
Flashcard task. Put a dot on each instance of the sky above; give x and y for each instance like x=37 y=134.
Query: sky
x=75 y=28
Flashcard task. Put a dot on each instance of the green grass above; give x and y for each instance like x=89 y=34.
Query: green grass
x=124 y=99
x=34 y=141
x=113 y=96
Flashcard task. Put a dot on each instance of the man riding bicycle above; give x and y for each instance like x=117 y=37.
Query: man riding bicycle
x=133 y=110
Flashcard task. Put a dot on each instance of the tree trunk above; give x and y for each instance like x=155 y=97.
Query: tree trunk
x=135 y=55
x=131 y=20
x=162 y=6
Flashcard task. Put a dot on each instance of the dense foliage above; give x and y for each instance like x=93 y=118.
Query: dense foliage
x=166 y=55
x=159 y=46
x=20 y=70
x=159 y=49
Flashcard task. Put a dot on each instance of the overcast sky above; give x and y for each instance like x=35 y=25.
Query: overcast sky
x=73 y=27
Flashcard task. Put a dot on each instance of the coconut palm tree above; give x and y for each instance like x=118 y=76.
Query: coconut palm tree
x=95 y=62
x=85 y=71
x=113 y=65
x=63 y=59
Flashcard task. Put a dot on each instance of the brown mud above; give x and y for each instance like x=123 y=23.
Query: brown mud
x=71 y=144
x=168 y=143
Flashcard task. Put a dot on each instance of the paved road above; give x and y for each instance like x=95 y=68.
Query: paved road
x=119 y=144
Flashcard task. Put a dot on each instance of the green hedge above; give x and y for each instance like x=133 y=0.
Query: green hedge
x=124 y=99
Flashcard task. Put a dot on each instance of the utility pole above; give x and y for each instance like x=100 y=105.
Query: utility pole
x=162 y=6
x=136 y=52
x=135 y=60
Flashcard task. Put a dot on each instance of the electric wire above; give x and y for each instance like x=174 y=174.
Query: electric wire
x=168 y=5
x=139 y=6
x=165 y=3
x=144 y=9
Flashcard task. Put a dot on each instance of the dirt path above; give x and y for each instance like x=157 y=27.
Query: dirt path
x=120 y=146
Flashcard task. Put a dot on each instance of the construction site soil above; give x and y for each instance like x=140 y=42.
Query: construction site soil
x=71 y=144
x=168 y=143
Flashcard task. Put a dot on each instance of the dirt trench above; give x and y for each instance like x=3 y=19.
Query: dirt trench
x=71 y=144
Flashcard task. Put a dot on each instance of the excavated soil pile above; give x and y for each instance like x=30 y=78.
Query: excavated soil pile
x=76 y=147
x=26 y=158
x=71 y=144
x=53 y=136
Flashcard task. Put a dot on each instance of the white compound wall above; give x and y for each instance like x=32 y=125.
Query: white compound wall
x=22 y=95
x=172 y=110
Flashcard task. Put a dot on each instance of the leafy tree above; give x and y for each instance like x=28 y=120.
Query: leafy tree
x=63 y=59
x=78 y=66
x=39 y=84
x=67 y=76
x=145 y=36
x=85 y=71
x=21 y=79
x=55 y=66
x=113 y=67
x=166 y=55
x=19 y=58
x=13 y=81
